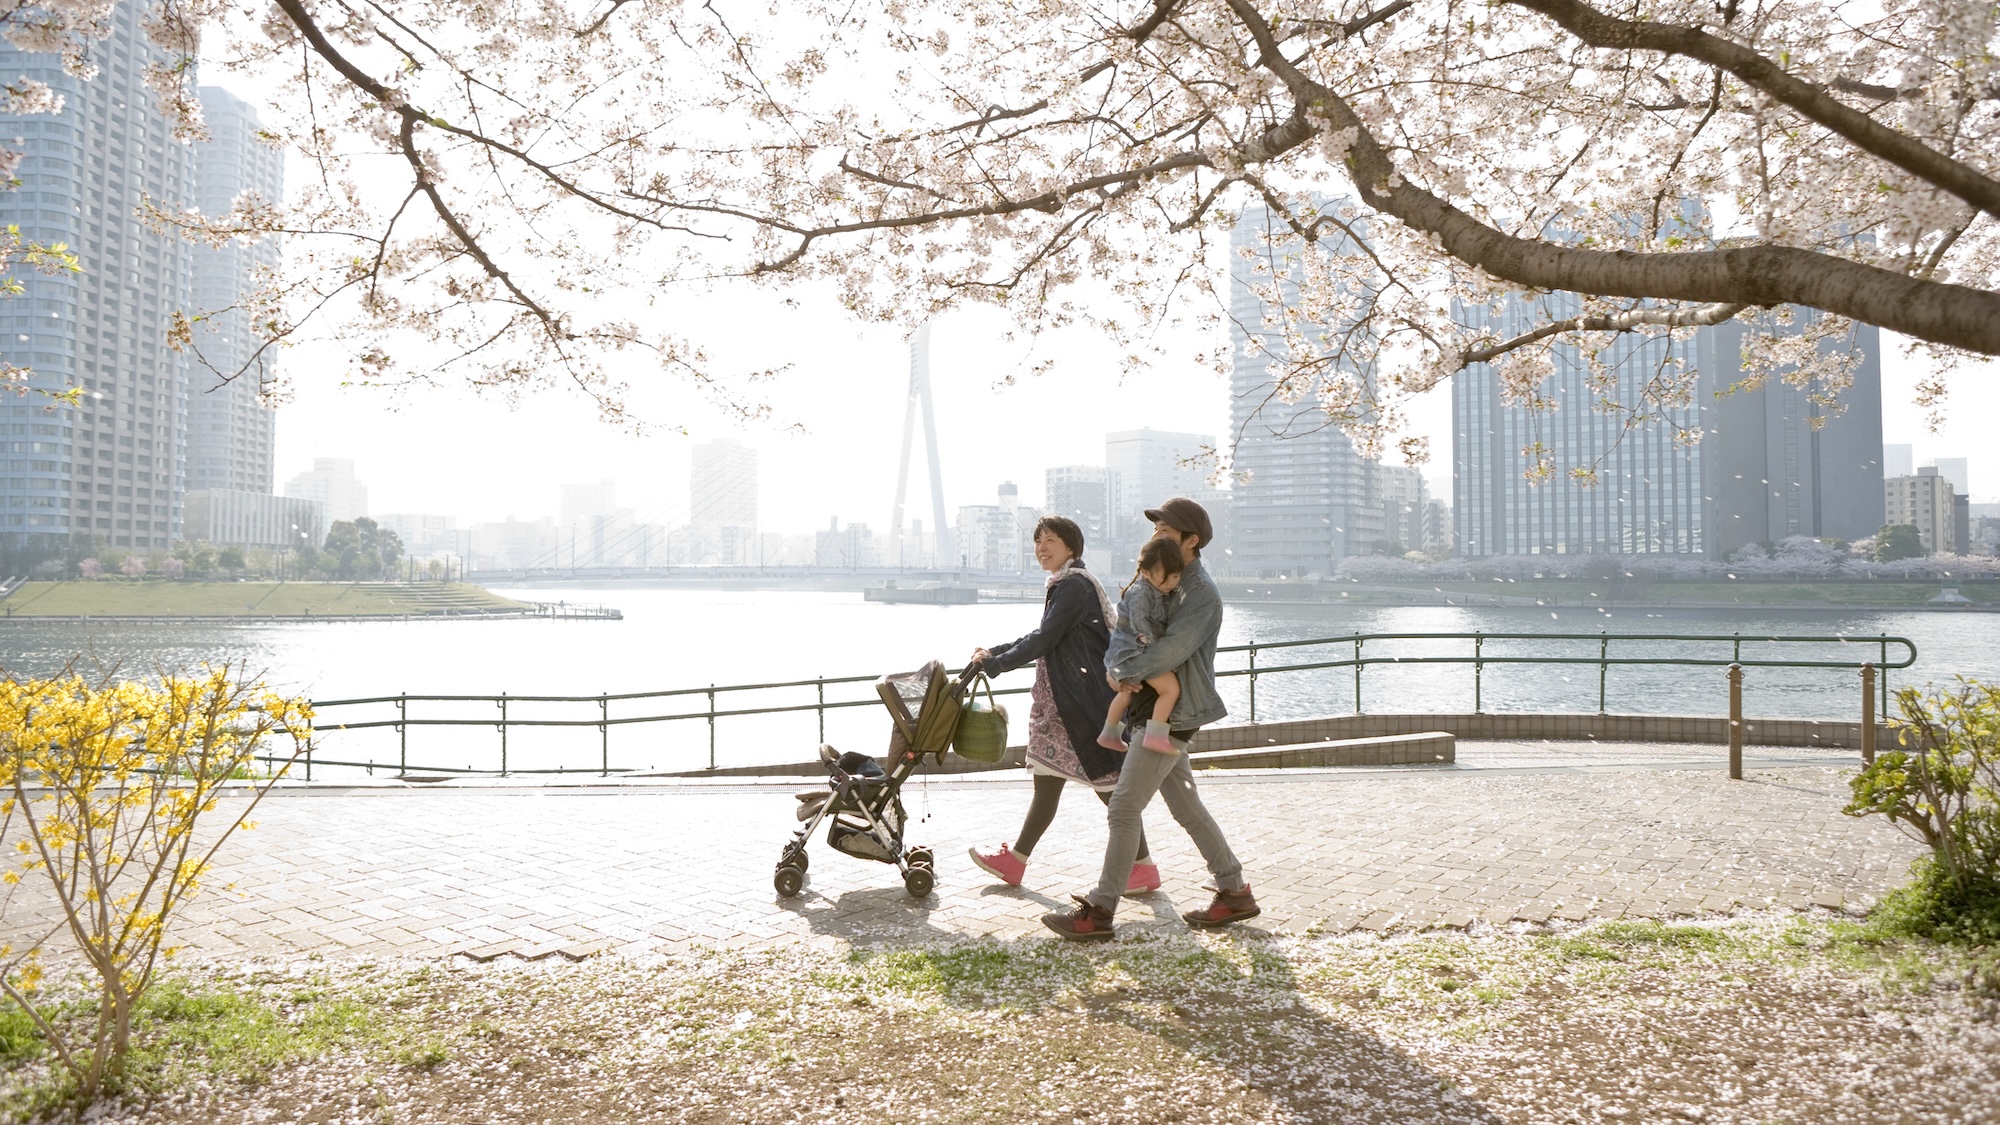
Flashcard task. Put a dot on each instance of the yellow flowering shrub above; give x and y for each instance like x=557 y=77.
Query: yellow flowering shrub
x=114 y=799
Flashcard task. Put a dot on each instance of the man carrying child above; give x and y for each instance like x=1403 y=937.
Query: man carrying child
x=1185 y=648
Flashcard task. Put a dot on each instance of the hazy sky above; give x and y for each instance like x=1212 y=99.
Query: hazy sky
x=830 y=447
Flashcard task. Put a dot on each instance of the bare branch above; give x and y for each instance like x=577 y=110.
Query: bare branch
x=1700 y=317
x=1905 y=152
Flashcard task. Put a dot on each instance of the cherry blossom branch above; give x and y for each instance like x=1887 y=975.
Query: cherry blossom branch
x=1699 y=317
x=1954 y=315
x=1904 y=151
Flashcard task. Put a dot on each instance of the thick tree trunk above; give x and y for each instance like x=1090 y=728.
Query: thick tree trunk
x=1762 y=275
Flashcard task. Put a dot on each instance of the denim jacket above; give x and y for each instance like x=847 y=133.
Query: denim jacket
x=1142 y=616
x=1187 y=649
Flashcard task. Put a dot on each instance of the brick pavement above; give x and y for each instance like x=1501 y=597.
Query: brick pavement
x=537 y=872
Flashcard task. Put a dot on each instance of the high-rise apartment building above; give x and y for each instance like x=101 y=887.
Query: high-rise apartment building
x=1303 y=497
x=111 y=470
x=1771 y=464
x=1899 y=460
x=1776 y=464
x=1438 y=529
x=332 y=482
x=722 y=503
x=997 y=538
x=423 y=536
x=1087 y=494
x=230 y=430
x=851 y=547
x=1924 y=500
x=596 y=531
x=1405 y=501
x=1957 y=470
x=1153 y=465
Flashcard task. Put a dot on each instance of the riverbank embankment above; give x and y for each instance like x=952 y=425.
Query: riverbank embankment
x=1849 y=595
x=169 y=599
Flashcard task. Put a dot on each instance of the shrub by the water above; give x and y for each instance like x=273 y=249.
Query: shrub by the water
x=1943 y=788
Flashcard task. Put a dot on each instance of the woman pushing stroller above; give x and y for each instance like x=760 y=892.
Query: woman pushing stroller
x=1069 y=698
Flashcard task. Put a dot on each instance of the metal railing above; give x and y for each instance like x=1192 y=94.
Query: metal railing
x=596 y=711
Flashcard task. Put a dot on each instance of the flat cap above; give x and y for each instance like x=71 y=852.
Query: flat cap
x=1186 y=517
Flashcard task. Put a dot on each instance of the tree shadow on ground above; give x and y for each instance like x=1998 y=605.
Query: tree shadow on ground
x=1159 y=1025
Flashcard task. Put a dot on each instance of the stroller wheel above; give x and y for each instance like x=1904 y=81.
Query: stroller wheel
x=788 y=881
x=919 y=881
x=922 y=857
x=795 y=856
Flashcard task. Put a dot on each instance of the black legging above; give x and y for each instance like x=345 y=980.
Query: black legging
x=1042 y=812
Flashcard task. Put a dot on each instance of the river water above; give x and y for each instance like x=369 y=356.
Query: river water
x=686 y=638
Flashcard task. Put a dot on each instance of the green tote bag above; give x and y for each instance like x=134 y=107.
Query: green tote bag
x=982 y=726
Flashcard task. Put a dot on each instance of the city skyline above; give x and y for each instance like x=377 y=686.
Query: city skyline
x=449 y=453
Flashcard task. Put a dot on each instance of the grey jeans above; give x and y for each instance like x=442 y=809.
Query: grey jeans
x=1144 y=773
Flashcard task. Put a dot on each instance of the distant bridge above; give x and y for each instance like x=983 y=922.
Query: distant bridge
x=826 y=577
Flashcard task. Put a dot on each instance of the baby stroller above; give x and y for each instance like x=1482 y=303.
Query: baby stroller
x=863 y=800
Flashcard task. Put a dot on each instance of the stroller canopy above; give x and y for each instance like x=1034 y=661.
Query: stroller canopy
x=925 y=705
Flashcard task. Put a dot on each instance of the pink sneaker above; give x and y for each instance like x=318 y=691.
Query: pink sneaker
x=1003 y=865
x=1110 y=743
x=1159 y=742
x=1145 y=879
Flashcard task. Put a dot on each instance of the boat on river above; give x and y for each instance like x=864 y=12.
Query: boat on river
x=924 y=593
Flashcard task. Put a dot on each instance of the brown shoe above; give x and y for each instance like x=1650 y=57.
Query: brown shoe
x=1085 y=923
x=1228 y=907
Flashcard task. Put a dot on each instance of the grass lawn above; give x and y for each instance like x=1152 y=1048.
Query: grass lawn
x=1775 y=1017
x=161 y=598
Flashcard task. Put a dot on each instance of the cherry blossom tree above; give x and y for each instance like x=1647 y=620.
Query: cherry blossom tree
x=486 y=175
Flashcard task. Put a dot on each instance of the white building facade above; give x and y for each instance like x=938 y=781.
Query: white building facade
x=1924 y=500
x=234 y=518
x=332 y=482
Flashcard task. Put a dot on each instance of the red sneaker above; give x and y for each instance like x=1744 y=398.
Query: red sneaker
x=1228 y=907
x=1144 y=880
x=1003 y=865
x=1085 y=923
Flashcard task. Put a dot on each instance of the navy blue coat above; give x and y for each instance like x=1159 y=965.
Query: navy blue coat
x=1073 y=636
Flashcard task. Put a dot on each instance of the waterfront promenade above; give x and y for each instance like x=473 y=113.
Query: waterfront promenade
x=1516 y=832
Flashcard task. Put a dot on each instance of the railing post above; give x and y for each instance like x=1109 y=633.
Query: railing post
x=821 y=685
x=1478 y=671
x=503 y=734
x=1357 y=673
x=603 y=736
x=1736 y=722
x=1867 y=714
x=711 y=726
x=1884 y=665
x=402 y=733
x=1253 y=681
x=1603 y=666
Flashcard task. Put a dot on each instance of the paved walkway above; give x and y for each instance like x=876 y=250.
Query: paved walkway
x=1518 y=832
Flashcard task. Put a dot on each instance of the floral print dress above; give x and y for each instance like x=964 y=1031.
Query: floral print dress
x=1049 y=748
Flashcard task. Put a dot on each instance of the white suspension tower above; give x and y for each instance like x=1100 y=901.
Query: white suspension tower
x=920 y=391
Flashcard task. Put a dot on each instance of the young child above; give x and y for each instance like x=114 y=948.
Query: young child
x=1142 y=615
